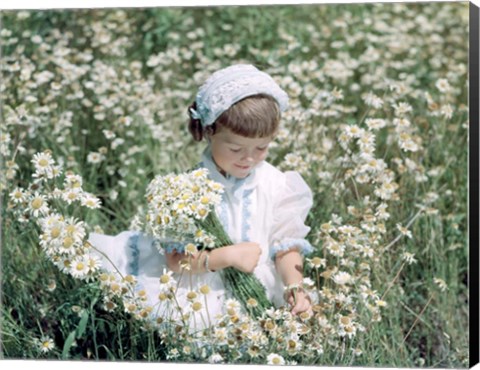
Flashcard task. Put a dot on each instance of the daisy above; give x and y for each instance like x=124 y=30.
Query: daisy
x=401 y=123
x=93 y=263
x=79 y=268
x=334 y=247
x=447 y=111
x=382 y=212
x=72 y=181
x=215 y=358
x=130 y=307
x=251 y=302
x=375 y=123
x=404 y=231
x=386 y=191
x=274 y=359
x=108 y=304
x=441 y=284
x=401 y=109
x=220 y=334
x=43 y=162
x=75 y=229
x=109 y=134
x=18 y=195
x=381 y=303
x=52 y=285
x=71 y=195
x=337 y=94
x=353 y=131
x=90 y=201
x=409 y=257
x=204 y=289
x=317 y=262
x=95 y=157
x=166 y=280
x=196 y=306
x=232 y=305
x=343 y=278
x=372 y=100
x=45 y=344
x=173 y=354
x=38 y=205
x=347 y=327
x=293 y=345
x=442 y=85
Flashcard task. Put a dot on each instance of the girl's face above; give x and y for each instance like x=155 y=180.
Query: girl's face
x=238 y=155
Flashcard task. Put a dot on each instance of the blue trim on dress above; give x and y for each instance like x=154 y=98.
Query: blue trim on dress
x=303 y=246
x=246 y=214
x=132 y=243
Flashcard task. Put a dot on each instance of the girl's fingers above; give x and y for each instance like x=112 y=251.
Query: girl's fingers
x=302 y=305
x=291 y=301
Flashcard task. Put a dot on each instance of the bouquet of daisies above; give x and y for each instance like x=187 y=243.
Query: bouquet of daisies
x=182 y=207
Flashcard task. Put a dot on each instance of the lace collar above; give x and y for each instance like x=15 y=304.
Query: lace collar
x=232 y=185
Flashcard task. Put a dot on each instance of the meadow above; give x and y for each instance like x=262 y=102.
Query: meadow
x=94 y=106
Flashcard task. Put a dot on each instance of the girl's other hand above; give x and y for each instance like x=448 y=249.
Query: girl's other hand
x=244 y=256
x=173 y=260
x=299 y=300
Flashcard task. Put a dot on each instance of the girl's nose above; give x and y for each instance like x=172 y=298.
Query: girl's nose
x=248 y=157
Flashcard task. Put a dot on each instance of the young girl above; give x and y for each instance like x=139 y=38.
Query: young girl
x=237 y=111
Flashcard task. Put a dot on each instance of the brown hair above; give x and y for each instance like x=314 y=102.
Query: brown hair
x=254 y=116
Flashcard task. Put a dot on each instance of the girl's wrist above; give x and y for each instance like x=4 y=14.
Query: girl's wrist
x=218 y=259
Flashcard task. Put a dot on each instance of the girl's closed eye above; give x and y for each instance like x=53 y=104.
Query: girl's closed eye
x=235 y=150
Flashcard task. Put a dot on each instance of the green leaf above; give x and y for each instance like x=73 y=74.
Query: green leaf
x=68 y=344
x=82 y=324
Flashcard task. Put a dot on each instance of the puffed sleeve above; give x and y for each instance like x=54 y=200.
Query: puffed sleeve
x=291 y=206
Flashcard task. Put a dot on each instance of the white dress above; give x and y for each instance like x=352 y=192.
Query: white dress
x=268 y=207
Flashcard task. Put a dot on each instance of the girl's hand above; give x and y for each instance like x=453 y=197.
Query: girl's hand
x=243 y=256
x=173 y=260
x=299 y=300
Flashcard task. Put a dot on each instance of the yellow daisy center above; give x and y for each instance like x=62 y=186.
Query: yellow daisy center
x=55 y=232
x=71 y=229
x=204 y=289
x=37 y=203
x=67 y=242
x=164 y=279
x=345 y=320
x=197 y=306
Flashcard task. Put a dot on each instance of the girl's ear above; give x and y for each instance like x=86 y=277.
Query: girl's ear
x=208 y=133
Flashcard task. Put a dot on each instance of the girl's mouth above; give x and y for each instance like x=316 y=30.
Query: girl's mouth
x=243 y=167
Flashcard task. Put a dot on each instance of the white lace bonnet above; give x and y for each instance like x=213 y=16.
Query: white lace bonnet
x=230 y=85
